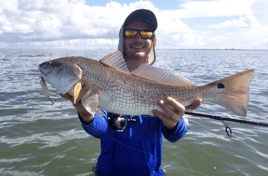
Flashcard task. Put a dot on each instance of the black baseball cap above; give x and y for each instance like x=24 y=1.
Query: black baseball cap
x=142 y=14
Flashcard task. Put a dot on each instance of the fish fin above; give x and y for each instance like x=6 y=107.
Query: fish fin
x=77 y=89
x=90 y=101
x=44 y=87
x=115 y=60
x=98 y=111
x=158 y=74
x=233 y=92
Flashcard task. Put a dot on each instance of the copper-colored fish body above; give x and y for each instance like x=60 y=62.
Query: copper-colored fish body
x=137 y=93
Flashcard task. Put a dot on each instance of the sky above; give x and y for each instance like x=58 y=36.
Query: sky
x=95 y=24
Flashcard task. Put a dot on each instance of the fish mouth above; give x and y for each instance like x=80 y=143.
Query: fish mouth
x=45 y=68
x=42 y=75
x=40 y=69
x=42 y=72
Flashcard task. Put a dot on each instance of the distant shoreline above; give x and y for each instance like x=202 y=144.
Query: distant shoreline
x=44 y=48
x=221 y=49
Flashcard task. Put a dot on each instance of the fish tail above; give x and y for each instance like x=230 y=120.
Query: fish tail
x=232 y=92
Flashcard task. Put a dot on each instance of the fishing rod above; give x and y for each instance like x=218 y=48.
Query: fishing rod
x=227 y=128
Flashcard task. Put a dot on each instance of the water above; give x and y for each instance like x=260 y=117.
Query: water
x=39 y=139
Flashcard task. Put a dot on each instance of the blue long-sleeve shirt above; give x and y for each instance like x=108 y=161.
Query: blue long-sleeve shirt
x=136 y=150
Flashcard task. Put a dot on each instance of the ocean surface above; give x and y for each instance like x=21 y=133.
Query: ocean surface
x=37 y=138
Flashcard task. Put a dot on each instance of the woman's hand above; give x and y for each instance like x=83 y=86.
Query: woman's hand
x=173 y=115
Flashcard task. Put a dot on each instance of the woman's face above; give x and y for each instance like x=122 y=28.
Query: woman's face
x=137 y=47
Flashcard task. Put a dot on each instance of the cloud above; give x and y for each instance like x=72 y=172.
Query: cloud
x=55 y=22
x=52 y=20
x=256 y=37
x=176 y=34
x=72 y=23
x=244 y=38
x=248 y=21
x=70 y=44
x=218 y=8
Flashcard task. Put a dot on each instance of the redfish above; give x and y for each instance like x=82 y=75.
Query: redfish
x=113 y=88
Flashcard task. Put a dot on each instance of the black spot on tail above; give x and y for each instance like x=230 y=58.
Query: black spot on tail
x=220 y=86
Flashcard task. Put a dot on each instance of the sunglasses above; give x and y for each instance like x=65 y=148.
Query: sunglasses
x=131 y=33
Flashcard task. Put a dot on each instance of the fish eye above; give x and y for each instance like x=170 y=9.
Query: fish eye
x=220 y=86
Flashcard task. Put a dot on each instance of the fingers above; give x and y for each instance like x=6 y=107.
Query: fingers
x=68 y=96
x=80 y=108
x=173 y=111
x=78 y=105
x=169 y=122
x=83 y=91
x=195 y=104
x=71 y=98
x=180 y=109
x=172 y=107
x=164 y=105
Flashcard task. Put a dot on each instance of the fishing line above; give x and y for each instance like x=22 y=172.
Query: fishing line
x=227 y=128
x=139 y=150
x=123 y=143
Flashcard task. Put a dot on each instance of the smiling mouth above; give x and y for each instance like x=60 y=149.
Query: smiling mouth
x=137 y=47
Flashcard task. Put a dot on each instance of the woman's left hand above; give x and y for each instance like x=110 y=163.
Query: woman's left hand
x=174 y=115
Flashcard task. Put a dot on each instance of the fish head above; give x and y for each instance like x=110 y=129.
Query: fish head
x=62 y=74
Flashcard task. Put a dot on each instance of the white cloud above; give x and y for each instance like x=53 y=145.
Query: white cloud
x=174 y=34
x=62 y=19
x=72 y=43
x=216 y=8
x=73 y=23
x=248 y=21
x=260 y=11
x=262 y=42
x=55 y=22
x=245 y=38
x=256 y=38
x=30 y=4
